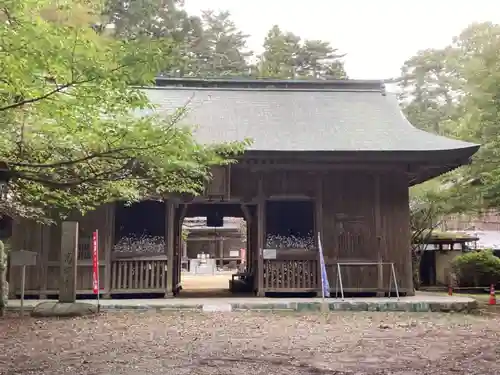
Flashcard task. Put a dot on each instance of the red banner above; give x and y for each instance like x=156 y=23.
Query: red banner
x=95 y=262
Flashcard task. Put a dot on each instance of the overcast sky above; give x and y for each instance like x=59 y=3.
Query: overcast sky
x=377 y=35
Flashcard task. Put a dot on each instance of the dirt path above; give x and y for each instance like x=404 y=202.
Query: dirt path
x=250 y=343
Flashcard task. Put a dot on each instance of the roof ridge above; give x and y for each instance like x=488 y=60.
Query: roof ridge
x=271 y=84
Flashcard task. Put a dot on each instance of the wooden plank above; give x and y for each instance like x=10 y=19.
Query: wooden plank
x=141 y=274
x=136 y=273
x=113 y=275
x=119 y=283
x=158 y=271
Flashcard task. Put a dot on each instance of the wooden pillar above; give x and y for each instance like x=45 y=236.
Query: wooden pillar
x=318 y=226
x=170 y=243
x=220 y=250
x=68 y=262
x=261 y=228
x=406 y=280
x=17 y=244
x=318 y=218
x=378 y=237
x=248 y=239
x=248 y=245
x=108 y=247
x=179 y=244
x=44 y=259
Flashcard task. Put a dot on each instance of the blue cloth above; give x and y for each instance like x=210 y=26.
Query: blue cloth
x=325 y=285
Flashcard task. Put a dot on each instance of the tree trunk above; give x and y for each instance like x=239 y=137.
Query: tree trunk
x=415 y=261
x=4 y=286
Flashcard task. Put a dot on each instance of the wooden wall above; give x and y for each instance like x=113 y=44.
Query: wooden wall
x=366 y=219
x=362 y=215
x=45 y=240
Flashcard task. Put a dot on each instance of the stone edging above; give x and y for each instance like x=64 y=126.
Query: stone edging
x=457 y=307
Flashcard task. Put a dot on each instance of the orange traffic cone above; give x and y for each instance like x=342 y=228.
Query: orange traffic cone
x=493 y=299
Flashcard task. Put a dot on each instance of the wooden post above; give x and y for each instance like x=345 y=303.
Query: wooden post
x=248 y=242
x=17 y=244
x=318 y=228
x=46 y=238
x=261 y=228
x=378 y=238
x=220 y=250
x=68 y=260
x=180 y=245
x=108 y=248
x=170 y=244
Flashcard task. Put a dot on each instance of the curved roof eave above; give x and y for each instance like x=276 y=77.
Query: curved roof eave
x=353 y=118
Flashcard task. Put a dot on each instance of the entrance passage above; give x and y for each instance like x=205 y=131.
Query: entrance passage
x=214 y=248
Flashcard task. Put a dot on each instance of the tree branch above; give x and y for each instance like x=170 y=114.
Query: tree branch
x=54 y=91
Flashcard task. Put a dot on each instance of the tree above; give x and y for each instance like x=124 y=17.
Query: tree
x=159 y=19
x=454 y=91
x=318 y=59
x=281 y=51
x=152 y=18
x=67 y=103
x=478 y=48
x=223 y=49
x=430 y=89
x=286 y=57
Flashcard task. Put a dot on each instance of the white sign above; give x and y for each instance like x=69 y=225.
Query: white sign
x=23 y=258
x=234 y=253
x=269 y=253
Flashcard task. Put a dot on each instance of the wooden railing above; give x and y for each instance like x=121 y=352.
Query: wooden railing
x=85 y=248
x=139 y=274
x=291 y=271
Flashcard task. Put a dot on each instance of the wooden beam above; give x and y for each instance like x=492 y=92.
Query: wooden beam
x=293 y=165
x=221 y=238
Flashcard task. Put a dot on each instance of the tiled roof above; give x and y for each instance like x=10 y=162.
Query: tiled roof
x=357 y=116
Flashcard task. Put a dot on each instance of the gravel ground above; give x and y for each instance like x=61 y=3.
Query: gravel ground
x=252 y=343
